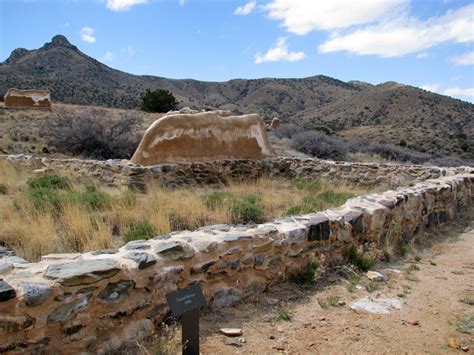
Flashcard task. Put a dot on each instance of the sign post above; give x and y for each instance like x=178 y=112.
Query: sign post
x=185 y=303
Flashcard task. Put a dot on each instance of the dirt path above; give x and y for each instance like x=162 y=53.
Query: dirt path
x=430 y=290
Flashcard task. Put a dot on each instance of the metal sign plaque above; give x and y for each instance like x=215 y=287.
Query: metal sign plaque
x=185 y=303
x=185 y=300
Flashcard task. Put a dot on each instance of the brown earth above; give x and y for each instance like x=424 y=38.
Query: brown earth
x=430 y=297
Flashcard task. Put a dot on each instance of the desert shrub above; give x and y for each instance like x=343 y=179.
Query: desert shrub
x=450 y=161
x=323 y=129
x=93 y=134
x=49 y=182
x=319 y=145
x=288 y=130
x=362 y=261
x=247 y=210
x=140 y=230
x=217 y=198
x=176 y=221
x=307 y=275
x=391 y=152
x=158 y=101
x=3 y=189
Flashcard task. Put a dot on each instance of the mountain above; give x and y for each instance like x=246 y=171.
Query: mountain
x=386 y=113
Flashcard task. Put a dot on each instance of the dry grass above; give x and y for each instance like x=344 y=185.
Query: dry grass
x=75 y=225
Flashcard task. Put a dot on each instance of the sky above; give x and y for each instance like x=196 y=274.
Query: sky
x=423 y=43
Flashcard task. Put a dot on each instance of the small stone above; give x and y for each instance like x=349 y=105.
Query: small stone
x=271 y=301
x=69 y=310
x=231 y=332
x=322 y=318
x=341 y=303
x=375 y=276
x=115 y=292
x=413 y=322
x=4 y=251
x=137 y=246
x=271 y=337
x=5 y=267
x=233 y=342
x=6 y=291
x=82 y=272
x=143 y=260
x=35 y=294
x=175 y=250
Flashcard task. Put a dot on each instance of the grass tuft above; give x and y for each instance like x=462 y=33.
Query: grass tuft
x=140 y=230
x=362 y=261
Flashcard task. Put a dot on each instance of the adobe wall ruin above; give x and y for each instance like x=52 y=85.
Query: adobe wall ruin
x=98 y=300
x=186 y=135
x=16 y=98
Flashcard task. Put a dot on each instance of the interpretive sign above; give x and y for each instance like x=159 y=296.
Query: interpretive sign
x=185 y=303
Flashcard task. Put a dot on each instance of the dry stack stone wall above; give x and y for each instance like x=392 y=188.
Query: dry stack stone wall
x=94 y=302
x=121 y=172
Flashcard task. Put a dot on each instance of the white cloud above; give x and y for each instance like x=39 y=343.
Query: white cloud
x=182 y=2
x=422 y=55
x=460 y=92
x=430 y=87
x=404 y=35
x=123 y=5
x=108 y=57
x=279 y=52
x=464 y=59
x=87 y=34
x=246 y=9
x=303 y=16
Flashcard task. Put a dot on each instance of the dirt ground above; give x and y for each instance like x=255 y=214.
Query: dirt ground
x=434 y=282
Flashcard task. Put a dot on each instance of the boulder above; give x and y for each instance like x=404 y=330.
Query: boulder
x=203 y=136
x=275 y=123
x=27 y=98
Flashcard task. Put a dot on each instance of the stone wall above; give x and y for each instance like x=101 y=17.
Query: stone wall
x=96 y=301
x=121 y=172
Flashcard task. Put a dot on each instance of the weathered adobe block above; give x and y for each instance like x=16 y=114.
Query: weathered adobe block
x=16 y=98
x=96 y=301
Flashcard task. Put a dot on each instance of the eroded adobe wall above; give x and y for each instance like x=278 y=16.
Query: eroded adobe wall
x=96 y=301
x=121 y=172
x=15 y=98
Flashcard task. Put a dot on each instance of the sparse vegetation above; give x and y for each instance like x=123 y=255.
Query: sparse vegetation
x=92 y=134
x=53 y=214
x=362 y=261
x=372 y=286
x=285 y=315
x=306 y=276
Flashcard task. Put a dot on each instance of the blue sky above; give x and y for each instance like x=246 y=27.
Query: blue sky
x=424 y=43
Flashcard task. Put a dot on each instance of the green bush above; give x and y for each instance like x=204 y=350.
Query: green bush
x=42 y=198
x=91 y=199
x=247 y=210
x=49 y=182
x=158 y=101
x=362 y=261
x=217 y=198
x=141 y=230
x=3 y=189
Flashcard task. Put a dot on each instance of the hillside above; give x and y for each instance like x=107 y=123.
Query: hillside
x=385 y=113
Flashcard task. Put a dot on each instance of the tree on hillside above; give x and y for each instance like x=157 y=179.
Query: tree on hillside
x=158 y=101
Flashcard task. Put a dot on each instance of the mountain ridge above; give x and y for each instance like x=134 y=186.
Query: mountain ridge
x=388 y=112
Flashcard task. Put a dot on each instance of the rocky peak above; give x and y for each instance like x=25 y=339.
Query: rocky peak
x=17 y=54
x=59 y=41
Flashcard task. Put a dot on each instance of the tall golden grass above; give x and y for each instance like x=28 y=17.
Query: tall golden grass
x=73 y=227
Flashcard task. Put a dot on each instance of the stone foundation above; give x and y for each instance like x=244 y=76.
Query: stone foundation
x=94 y=302
x=215 y=173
